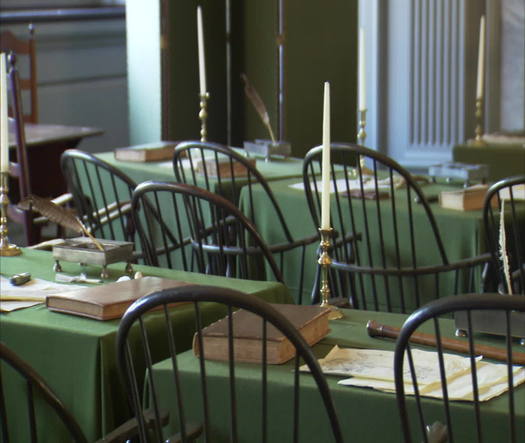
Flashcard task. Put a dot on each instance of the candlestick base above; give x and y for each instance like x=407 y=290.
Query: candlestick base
x=325 y=261
x=6 y=249
x=9 y=250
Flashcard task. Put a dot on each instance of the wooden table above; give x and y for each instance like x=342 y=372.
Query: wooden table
x=45 y=144
x=77 y=355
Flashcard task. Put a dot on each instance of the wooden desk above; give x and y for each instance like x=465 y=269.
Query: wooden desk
x=77 y=355
x=365 y=415
x=45 y=144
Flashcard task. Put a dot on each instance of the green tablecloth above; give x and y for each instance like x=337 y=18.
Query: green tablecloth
x=461 y=231
x=503 y=160
x=275 y=169
x=365 y=415
x=76 y=355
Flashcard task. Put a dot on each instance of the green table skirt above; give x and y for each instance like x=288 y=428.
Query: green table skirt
x=365 y=415
x=77 y=356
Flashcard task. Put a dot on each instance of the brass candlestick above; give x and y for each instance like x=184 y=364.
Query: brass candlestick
x=479 y=122
x=361 y=136
x=325 y=261
x=6 y=249
x=203 y=114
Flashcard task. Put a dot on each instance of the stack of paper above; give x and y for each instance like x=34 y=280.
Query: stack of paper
x=29 y=294
x=375 y=369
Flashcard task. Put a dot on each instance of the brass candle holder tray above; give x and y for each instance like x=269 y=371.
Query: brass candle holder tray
x=83 y=251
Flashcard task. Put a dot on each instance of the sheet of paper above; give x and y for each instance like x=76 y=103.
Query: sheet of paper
x=459 y=389
x=355 y=184
x=375 y=369
x=30 y=294
x=379 y=365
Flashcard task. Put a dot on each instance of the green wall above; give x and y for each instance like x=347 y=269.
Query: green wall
x=320 y=45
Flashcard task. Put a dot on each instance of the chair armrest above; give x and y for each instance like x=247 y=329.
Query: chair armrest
x=130 y=428
x=112 y=212
x=63 y=199
x=287 y=246
x=466 y=263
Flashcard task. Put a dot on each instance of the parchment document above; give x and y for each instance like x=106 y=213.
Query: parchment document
x=375 y=369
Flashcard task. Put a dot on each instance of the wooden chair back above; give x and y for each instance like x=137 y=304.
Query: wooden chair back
x=19 y=169
x=196 y=410
x=185 y=227
x=388 y=253
x=24 y=48
x=504 y=224
x=445 y=419
x=101 y=195
x=222 y=170
x=36 y=392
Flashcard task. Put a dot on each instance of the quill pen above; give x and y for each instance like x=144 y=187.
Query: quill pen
x=57 y=214
x=258 y=104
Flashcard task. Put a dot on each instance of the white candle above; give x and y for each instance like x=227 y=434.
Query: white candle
x=481 y=58
x=4 y=128
x=325 y=197
x=200 y=41
x=362 y=70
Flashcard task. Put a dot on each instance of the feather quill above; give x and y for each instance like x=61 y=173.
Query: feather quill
x=503 y=247
x=258 y=104
x=57 y=214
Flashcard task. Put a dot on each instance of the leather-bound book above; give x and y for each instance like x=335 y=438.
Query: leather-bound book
x=149 y=152
x=109 y=301
x=311 y=321
x=466 y=199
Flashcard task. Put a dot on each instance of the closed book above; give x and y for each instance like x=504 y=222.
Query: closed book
x=149 y=152
x=467 y=199
x=223 y=167
x=310 y=321
x=109 y=301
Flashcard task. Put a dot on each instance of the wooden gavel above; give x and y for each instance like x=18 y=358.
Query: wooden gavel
x=375 y=329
